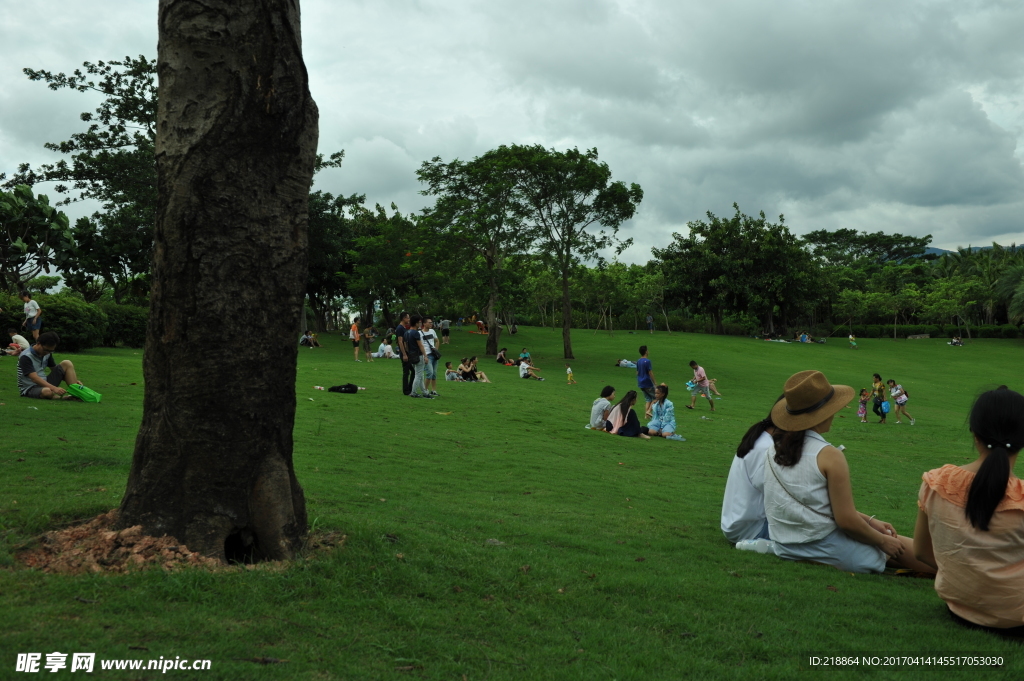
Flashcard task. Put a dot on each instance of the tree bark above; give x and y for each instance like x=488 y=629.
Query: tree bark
x=493 y=330
x=235 y=147
x=566 y=319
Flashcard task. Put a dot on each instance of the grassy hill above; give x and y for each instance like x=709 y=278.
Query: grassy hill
x=610 y=564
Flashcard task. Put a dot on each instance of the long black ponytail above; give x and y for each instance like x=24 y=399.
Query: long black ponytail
x=997 y=421
x=754 y=432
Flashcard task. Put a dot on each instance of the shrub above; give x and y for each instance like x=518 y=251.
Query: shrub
x=988 y=331
x=79 y=324
x=126 y=325
x=1009 y=331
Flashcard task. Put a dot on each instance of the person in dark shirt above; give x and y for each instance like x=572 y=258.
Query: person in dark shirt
x=417 y=354
x=33 y=378
x=407 y=368
x=645 y=380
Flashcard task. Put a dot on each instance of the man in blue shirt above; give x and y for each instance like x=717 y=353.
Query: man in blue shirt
x=645 y=380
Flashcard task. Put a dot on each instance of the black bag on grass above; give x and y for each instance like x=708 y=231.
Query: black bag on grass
x=347 y=388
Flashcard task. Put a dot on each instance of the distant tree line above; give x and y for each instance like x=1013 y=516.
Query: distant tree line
x=518 y=233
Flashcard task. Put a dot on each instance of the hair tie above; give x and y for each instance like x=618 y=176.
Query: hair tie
x=989 y=446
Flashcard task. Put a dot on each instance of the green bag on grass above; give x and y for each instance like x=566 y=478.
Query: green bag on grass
x=83 y=393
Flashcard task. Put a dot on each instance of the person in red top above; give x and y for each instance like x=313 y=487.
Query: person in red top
x=354 y=335
x=702 y=387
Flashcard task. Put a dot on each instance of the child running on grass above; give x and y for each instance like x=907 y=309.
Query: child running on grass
x=568 y=373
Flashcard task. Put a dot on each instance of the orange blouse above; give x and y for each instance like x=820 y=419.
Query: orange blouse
x=981 y=574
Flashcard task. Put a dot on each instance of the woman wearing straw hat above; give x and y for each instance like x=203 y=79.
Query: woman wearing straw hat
x=807 y=494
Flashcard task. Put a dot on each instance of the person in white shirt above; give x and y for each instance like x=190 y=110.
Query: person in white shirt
x=18 y=343
x=601 y=408
x=32 y=314
x=808 y=497
x=743 y=514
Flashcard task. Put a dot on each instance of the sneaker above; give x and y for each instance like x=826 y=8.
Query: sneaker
x=414 y=395
x=358 y=360
x=434 y=394
x=676 y=437
x=427 y=397
x=540 y=379
x=911 y=421
x=899 y=422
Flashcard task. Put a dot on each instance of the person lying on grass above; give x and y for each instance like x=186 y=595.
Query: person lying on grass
x=663 y=415
x=601 y=408
x=743 y=514
x=969 y=526
x=808 y=498
x=33 y=378
x=623 y=419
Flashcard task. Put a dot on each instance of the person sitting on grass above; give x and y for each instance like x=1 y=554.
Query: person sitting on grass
x=969 y=521
x=663 y=415
x=466 y=370
x=743 y=515
x=808 y=498
x=601 y=408
x=33 y=378
x=18 y=343
x=503 y=357
x=623 y=419
x=480 y=376
x=523 y=355
x=526 y=370
x=451 y=374
x=385 y=350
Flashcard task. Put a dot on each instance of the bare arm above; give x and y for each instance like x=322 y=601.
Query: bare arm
x=833 y=466
x=924 y=551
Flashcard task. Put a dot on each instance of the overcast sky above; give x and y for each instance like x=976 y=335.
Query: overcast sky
x=902 y=117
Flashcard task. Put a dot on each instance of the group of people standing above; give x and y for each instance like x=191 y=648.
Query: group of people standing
x=417 y=343
x=879 y=397
x=789 y=487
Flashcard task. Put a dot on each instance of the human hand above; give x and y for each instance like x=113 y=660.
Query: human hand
x=892 y=546
x=884 y=528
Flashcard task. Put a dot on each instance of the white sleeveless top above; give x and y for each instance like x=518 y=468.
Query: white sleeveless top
x=794 y=520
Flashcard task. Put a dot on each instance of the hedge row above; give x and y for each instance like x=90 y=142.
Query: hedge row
x=902 y=331
x=79 y=324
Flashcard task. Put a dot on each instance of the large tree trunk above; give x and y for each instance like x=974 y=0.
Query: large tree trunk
x=493 y=330
x=236 y=141
x=566 y=319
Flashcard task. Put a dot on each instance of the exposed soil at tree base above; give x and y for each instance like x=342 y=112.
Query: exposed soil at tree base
x=94 y=546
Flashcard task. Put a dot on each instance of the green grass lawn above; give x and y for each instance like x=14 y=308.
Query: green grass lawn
x=611 y=566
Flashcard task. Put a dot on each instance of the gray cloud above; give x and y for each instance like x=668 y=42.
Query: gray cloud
x=872 y=115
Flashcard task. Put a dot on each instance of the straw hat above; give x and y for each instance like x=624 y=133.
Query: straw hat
x=809 y=400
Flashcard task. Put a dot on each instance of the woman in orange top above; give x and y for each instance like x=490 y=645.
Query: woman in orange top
x=970 y=525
